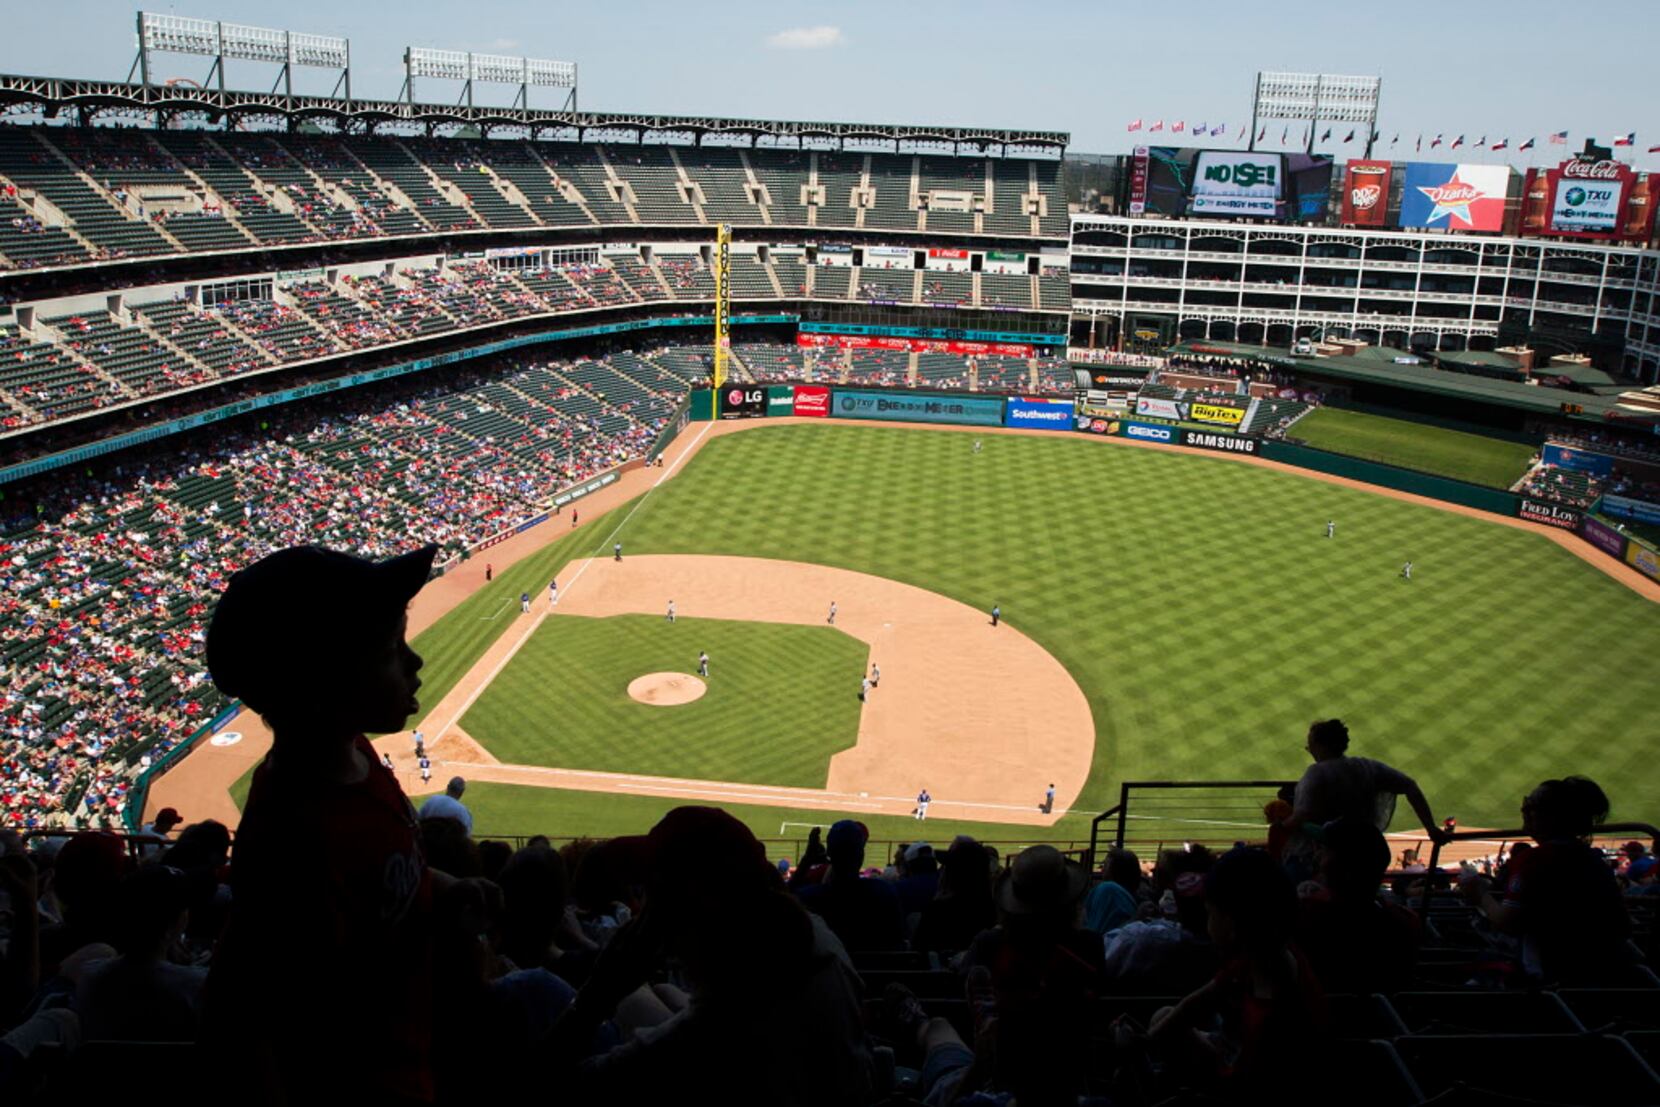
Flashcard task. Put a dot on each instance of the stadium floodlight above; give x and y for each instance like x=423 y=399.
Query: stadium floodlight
x=494 y=69
x=1315 y=98
x=177 y=34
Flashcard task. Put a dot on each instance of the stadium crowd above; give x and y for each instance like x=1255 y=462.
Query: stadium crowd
x=349 y=949
x=106 y=578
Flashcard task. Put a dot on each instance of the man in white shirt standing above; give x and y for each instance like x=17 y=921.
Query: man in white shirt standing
x=448 y=805
x=1338 y=786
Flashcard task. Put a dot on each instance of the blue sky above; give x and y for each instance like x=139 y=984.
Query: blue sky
x=1523 y=68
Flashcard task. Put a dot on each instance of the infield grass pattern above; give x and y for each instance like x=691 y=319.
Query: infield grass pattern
x=781 y=699
x=1428 y=449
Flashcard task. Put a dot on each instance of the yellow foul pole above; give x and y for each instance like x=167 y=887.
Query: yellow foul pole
x=723 y=302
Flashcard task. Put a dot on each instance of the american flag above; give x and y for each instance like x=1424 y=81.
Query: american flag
x=1560 y=138
x=1158 y=125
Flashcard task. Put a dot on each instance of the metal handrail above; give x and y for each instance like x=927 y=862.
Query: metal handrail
x=1121 y=810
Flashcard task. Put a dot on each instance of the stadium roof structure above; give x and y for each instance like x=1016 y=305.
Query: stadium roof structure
x=1373 y=369
x=59 y=95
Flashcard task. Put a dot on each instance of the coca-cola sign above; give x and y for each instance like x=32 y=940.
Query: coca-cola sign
x=1583 y=170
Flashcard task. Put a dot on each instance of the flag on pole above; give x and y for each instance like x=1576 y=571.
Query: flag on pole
x=1481 y=142
x=1560 y=138
x=1219 y=129
x=1420 y=147
x=1200 y=128
x=1627 y=139
x=1177 y=127
x=1528 y=145
x=1654 y=149
x=1305 y=136
x=1284 y=131
x=1135 y=124
x=1502 y=144
x=1434 y=142
x=1262 y=134
x=1394 y=140
x=1326 y=136
x=1158 y=125
x=1350 y=137
x=1457 y=142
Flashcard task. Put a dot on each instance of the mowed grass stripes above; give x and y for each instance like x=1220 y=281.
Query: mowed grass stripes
x=1203 y=611
x=781 y=699
x=1476 y=458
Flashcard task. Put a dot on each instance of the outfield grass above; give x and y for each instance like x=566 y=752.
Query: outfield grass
x=1476 y=458
x=780 y=699
x=1196 y=601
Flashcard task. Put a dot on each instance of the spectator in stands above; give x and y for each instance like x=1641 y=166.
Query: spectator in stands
x=1560 y=898
x=142 y=995
x=765 y=981
x=156 y=832
x=963 y=906
x=1263 y=1014
x=1045 y=972
x=917 y=879
x=320 y=987
x=1338 y=786
x=448 y=805
x=1355 y=941
x=86 y=875
x=1171 y=952
x=1112 y=902
x=862 y=911
x=536 y=931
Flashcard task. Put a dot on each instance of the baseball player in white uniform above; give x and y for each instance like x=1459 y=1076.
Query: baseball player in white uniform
x=670 y=615
x=702 y=664
x=832 y=619
x=1331 y=527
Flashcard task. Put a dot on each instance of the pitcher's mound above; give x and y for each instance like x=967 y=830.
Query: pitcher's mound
x=666 y=689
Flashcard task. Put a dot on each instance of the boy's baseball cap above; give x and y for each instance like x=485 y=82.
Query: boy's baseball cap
x=306 y=607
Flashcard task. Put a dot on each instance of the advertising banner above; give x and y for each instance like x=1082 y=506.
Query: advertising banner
x=1160 y=409
x=780 y=400
x=1580 y=461
x=1237 y=182
x=1151 y=432
x=1308 y=187
x=743 y=402
x=889 y=253
x=1117 y=376
x=1551 y=514
x=1603 y=537
x=1366 y=193
x=812 y=400
x=1226 y=443
x=1643 y=559
x=1579 y=198
x=917 y=345
x=1216 y=413
x=948 y=254
x=1454 y=197
x=1640 y=209
x=1041 y=414
x=912 y=408
x=1138 y=181
x=1624 y=507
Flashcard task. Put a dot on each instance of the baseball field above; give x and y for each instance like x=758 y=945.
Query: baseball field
x=1193 y=605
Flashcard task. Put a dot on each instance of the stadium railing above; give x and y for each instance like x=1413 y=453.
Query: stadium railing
x=1217 y=821
x=1606 y=832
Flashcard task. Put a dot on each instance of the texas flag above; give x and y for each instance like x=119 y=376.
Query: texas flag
x=1178 y=126
x=1434 y=142
x=1528 y=145
x=1201 y=128
x=1654 y=149
x=1626 y=139
x=1135 y=124
x=1158 y=125
x=1457 y=142
x=1502 y=144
